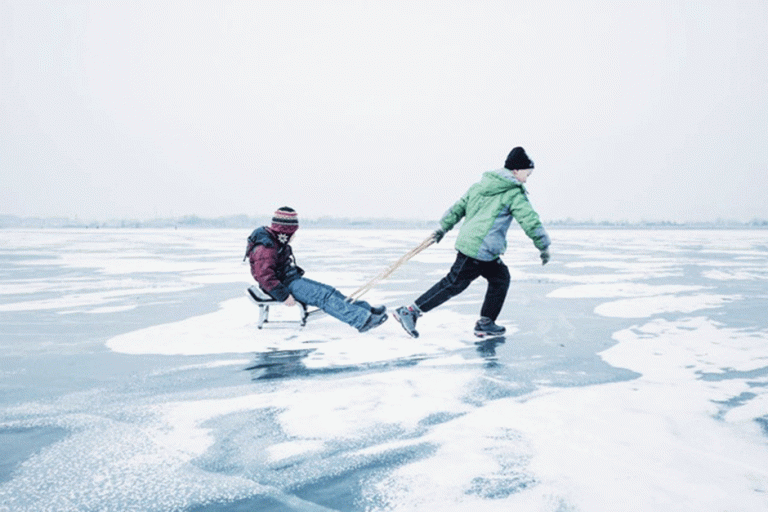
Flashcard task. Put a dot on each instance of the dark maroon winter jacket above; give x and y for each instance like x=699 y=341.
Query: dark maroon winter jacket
x=272 y=263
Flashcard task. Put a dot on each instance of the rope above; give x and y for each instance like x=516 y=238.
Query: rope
x=389 y=270
x=386 y=272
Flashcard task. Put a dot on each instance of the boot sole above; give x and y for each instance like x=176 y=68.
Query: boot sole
x=483 y=334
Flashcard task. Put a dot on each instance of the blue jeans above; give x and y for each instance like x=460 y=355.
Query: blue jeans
x=330 y=300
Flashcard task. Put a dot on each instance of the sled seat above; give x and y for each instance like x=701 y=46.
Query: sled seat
x=264 y=300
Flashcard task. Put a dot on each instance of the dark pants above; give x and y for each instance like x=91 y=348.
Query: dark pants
x=462 y=273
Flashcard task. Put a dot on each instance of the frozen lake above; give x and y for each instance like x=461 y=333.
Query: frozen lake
x=633 y=377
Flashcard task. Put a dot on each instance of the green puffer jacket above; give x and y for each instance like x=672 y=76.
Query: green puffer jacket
x=489 y=207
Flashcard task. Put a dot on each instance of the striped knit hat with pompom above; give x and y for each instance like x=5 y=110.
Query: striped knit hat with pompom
x=285 y=220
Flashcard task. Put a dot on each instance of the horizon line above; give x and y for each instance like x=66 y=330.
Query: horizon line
x=241 y=220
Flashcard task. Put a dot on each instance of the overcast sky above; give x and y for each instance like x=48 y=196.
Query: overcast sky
x=646 y=110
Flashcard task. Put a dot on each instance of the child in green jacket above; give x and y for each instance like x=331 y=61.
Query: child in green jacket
x=488 y=208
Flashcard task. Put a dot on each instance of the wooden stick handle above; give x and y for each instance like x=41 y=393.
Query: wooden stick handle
x=385 y=273
x=389 y=270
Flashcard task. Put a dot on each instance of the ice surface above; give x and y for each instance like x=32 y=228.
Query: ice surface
x=634 y=376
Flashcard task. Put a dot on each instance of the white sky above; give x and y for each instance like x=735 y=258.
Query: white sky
x=631 y=110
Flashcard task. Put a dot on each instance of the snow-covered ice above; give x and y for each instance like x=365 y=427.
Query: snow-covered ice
x=633 y=376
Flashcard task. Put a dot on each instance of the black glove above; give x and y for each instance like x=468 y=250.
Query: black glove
x=544 y=256
x=438 y=235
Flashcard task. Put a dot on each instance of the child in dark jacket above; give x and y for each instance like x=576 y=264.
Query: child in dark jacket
x=274 y=267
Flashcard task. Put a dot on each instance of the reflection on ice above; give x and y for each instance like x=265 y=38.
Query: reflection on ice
x=487 y=350
x=279 y=364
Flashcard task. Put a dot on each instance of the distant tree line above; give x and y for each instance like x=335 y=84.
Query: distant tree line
x=245 y=221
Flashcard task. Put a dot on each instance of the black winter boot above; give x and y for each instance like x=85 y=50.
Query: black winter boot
x=374 y=321
x=487 y=327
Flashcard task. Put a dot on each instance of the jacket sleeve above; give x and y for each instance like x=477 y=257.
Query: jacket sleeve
x=528 y=219
x=264 y=270
x=455 y=213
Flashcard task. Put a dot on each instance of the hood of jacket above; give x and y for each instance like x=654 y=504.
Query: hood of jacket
x=259 y=236
x=497 y=182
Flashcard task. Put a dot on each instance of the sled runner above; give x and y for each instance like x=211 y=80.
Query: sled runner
x=264 y=300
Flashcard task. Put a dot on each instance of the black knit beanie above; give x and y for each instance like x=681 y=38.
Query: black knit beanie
x=517 y=159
